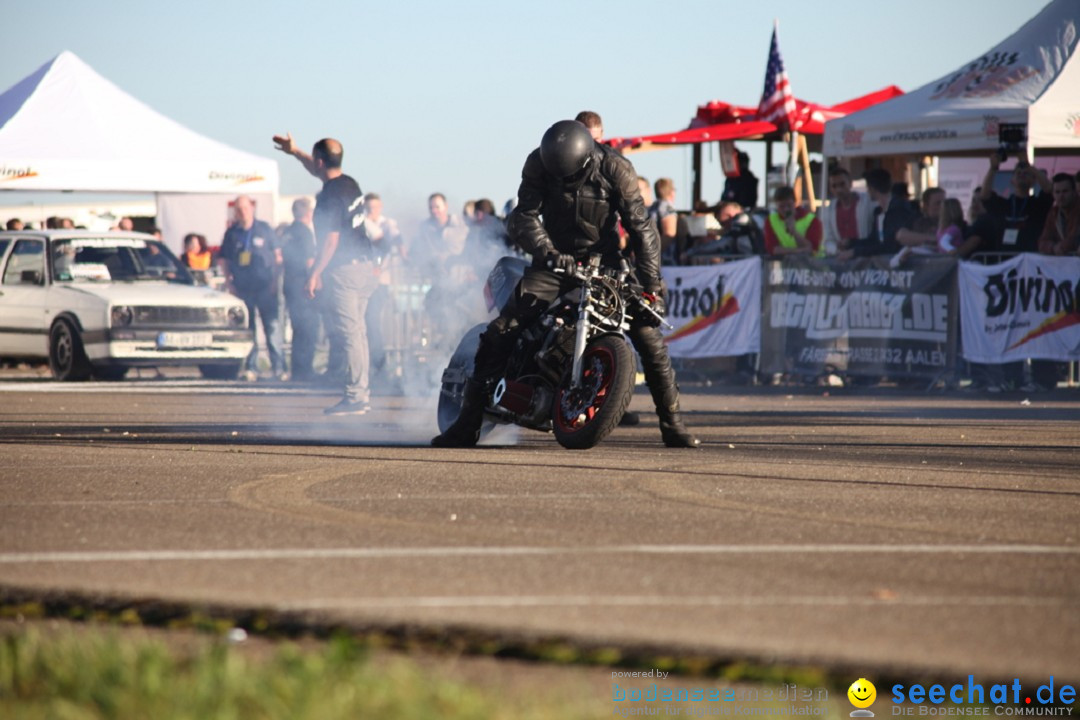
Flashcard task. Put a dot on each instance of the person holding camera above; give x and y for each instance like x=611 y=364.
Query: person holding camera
x=1023 y=213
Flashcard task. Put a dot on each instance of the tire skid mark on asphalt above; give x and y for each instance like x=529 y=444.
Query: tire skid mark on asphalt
x=708 y=473
x=245 y=448
x=287 y=494
x=676 y=492
x=380 y=553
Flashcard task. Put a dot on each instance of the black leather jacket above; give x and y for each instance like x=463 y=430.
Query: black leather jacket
x=581 y=217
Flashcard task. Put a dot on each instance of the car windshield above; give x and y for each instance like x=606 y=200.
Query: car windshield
x=115 y=259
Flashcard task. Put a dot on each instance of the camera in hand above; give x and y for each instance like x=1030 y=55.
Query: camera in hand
x=1011 y=138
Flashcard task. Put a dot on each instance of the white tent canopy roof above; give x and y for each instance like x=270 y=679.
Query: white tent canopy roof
x=1031 y=78
x=65 y=127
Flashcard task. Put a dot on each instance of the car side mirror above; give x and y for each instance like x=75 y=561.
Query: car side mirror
x=32 y=277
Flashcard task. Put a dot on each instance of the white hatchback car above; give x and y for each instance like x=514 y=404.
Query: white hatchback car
x=97 y=304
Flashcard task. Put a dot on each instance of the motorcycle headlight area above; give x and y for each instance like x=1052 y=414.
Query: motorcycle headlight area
x=608 y=304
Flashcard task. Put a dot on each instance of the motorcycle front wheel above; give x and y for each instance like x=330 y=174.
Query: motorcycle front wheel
x=582 y=417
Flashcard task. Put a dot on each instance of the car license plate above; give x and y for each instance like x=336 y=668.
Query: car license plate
x=184 y=340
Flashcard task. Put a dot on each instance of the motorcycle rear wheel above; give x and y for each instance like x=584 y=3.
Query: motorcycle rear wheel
x=582 y=417
x=452 y=387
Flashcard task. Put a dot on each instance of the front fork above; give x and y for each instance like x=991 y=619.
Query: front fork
x=585 y=308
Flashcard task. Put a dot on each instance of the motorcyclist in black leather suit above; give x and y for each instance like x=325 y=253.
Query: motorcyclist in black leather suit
x=573 y=193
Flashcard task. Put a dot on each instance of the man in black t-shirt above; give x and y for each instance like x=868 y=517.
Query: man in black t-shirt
x=344 y=267
x=1022 y=213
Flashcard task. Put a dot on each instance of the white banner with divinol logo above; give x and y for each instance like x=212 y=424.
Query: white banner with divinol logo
x=1026 y=307
x=862 y=316
x=716 y=309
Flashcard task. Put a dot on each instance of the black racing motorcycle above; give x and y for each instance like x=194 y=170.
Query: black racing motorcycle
x=571 y=372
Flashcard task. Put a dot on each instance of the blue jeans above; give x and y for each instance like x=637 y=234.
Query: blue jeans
x=268 y=307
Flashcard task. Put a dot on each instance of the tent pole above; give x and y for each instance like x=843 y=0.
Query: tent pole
x=697 y=174
x=804 y=156
x=824 y=176
x=793 y=160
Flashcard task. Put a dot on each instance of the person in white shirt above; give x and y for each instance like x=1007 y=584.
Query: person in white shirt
x=849 y=216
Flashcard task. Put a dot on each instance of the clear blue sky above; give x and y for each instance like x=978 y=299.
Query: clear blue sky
x=451 y=96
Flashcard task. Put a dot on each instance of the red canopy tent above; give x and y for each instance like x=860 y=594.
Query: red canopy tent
x=719 y=121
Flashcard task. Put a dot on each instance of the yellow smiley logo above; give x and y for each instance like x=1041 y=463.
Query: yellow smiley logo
x=862 y=693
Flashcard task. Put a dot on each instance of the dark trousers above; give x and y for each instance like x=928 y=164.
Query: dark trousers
x=267 y=306
x=531 y=297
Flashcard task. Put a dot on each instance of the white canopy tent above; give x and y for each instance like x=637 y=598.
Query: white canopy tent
x=1032 y=79
x=65 y=127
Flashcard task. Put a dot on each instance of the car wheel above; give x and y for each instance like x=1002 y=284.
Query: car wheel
x=221 y=372
x=110 y=372
x=67 y=360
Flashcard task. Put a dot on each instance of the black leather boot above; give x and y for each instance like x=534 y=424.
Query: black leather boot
x=465 y=431
x=674 y=432
x=661 y=381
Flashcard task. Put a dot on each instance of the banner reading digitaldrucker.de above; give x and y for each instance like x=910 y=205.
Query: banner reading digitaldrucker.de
x=861 y=316
x=1026 y=307
x=715 y=309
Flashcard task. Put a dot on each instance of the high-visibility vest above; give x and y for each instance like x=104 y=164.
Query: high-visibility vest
x=787 y=239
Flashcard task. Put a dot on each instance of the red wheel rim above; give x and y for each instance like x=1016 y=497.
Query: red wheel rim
x=575 y=409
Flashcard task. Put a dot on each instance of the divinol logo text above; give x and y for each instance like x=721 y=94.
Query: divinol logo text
x=703 y=307
x=973 y=699
x=1007 y=293
x=16 y=173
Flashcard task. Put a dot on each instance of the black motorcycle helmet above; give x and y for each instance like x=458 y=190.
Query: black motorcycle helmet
x=566 y=148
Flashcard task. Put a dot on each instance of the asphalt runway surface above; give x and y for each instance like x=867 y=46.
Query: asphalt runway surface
x=881 y=531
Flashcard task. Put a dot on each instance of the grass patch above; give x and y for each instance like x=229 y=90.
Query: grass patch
x=94 y=674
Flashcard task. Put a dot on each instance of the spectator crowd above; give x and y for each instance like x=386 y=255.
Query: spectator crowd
x=450 y=254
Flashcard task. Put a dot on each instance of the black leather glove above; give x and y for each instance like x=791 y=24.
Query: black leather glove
x=656 y=302
x=561 y=262
x=659 y=304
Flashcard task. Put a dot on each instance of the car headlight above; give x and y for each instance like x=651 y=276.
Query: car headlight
x=237 y=316
x=122 y=316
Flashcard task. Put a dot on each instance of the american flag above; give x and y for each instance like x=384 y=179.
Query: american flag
x=777 y=102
